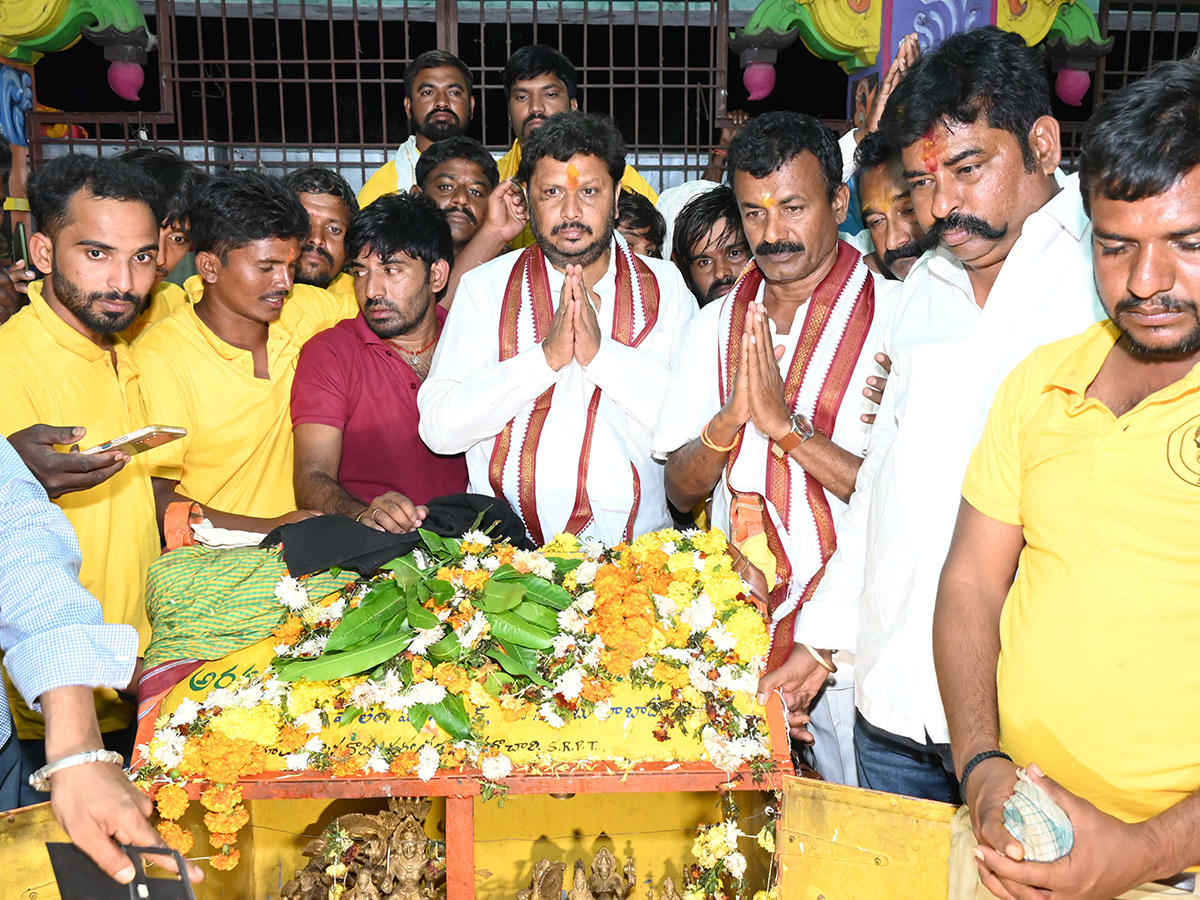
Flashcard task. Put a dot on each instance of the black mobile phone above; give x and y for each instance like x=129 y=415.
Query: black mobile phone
x=20 y=248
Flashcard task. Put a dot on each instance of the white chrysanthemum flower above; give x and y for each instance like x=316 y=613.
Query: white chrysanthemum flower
x=699 y=614
x=735 y=864
x=427 y=763
x=490 y=563
x=697 y=561
x=736 y=678
x=602 y=710
x=166 y=749
x=698 y=676
x=334 y=611
x=722 y=638
x=376 y=761
x=281 y=650
x=296 y=762
x=221 y=698
x=731 y=753
x=545 y=569
x=314 y=745
x=185 y=713
x=496 y=767
x=563 y=644
x=665 y=606
x=586 y=602
x=470 y=563
x=572 y=620
x=427 y=693
x=312 y=646
x=426 y=638
x=591 y=547
x=670 y=548
x=474 y=629
x=477 y=537
x=310 y=721
x=591 y=658
x=678 y=654
x=569 y=684
x=548 y=714
x=586 y=573
x=291 y=593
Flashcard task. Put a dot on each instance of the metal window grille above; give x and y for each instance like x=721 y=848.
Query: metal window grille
x=278 y=84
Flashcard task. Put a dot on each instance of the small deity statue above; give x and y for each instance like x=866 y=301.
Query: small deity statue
x=546 y=883
x=406 y=861
x=606 y=883
x=579 y=889
x=669 y=892
x=630 y=873
x=649 y=892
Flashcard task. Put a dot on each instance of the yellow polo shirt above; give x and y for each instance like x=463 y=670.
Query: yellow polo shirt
x=511 y=161
x=342 y=287
x=1097 y=679
x=383 y=181
x=51 y=374
x=164 y=300
x=237 y=456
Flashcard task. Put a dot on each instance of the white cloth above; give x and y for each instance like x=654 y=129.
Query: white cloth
x=405 y=161
x=831 y=721
x=671 y=203
x=470 y=396
x=948 y=358
x=693 y=397
x=847 y=143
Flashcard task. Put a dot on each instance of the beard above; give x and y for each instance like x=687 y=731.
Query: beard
x=1186 y=346
x=438 y=131
x=314 y=273
x=405 y=316
x=73 y=297
x=529 y=120
x=717 y=290
x=963 y=222
x=585 y=255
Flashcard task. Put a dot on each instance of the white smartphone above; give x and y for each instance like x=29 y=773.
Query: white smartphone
x=143 y=439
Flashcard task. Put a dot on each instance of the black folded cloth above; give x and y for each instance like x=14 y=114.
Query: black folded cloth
x=324 y=542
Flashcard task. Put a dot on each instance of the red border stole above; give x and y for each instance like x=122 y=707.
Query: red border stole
x=531 y=267
x=778 y=475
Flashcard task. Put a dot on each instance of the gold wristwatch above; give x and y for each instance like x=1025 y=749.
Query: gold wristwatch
x=802 y=430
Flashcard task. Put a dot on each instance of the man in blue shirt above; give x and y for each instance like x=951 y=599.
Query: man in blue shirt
x=57 y=648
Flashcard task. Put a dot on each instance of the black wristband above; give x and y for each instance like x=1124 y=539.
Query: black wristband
x=970 y=767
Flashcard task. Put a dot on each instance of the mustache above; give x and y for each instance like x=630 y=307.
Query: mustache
x=773 y=248
x=380 y=303
x=1165 y=302
x=719 y=288
x=911 y=250
x=533 y=117
x=563 y=226
x=964 y=222
x=465 y=211
x=434 y=112
x=320 y=251
x=116 y=296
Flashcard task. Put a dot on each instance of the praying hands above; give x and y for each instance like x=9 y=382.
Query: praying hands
x=574 y=331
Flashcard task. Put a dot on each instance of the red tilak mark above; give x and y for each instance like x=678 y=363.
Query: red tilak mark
x=572 y=176
x=929 y=152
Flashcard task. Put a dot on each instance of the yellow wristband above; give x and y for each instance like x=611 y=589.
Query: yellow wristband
x=708 y=442
x=819 y=658
x=16 y=204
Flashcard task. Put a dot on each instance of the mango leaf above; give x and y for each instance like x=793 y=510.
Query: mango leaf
x=565 y=564
x=349 y=715
x=506 y=573
x=439 y=545
x=417 y=714
x=501 y=596
x=529 y=658
x=495 y=682
x=420 y=617
x=451 y=717
x=514 y=630
x=423 y=592
x=545 y=593
x=441 y=591
x=447 y=648
x=513 y=666
x=362 y=624
x=542 y=616
x=329 y=666
x=404 y=570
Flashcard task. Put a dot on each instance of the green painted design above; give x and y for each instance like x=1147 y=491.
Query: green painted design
x=84 y=15
x=1074 y=25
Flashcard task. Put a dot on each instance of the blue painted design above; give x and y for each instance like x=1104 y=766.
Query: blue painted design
x=936 y=20
x=16 y=99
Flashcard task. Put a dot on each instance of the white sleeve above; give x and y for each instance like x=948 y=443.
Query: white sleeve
x=470 y=395
x=692 y=396
x=848 y=143
x=636 y=377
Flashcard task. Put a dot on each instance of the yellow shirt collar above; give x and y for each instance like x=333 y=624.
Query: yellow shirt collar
x=62 y=333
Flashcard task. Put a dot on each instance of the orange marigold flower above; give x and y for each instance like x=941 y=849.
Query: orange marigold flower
x=225 y=861
x=219 y=799
x=289 y=630
x=220 y=840
x=422 y=669
x=452 y=678
x=192 y=762
x=176 y=836
x=595 y=690
x=291 y=739
x=172 y=801
x=504 y=553
x=403 y=764
x=452 y=757
x=231 y=820
x=670 y=675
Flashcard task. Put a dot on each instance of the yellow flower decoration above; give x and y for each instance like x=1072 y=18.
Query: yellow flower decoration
x=259 y=724
x=172 y=801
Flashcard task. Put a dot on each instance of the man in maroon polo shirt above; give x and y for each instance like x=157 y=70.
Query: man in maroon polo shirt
x=354 y=397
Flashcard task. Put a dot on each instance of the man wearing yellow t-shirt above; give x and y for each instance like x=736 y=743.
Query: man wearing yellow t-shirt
x=330 y=203
x=439 y=105
x=67 y=378
x=539 y=82
x=1068 y=601
x=222 y=365
x=177 y=180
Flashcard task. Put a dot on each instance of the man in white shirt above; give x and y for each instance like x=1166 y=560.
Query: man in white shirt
x=1013 y=271
x=439 y=105
x=763 y=408
x=552 y=367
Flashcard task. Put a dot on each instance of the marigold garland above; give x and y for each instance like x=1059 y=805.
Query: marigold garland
x=172 y=801
x=176 y=837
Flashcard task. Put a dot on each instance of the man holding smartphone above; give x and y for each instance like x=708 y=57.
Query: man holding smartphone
x=67 y=379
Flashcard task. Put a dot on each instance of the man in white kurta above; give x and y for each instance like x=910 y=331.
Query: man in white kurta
x=780 y=472
x=562 y=434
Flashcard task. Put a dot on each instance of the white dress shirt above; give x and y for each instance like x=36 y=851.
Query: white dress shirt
x=948 y=358
x=470 y=395
x=405 y=161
